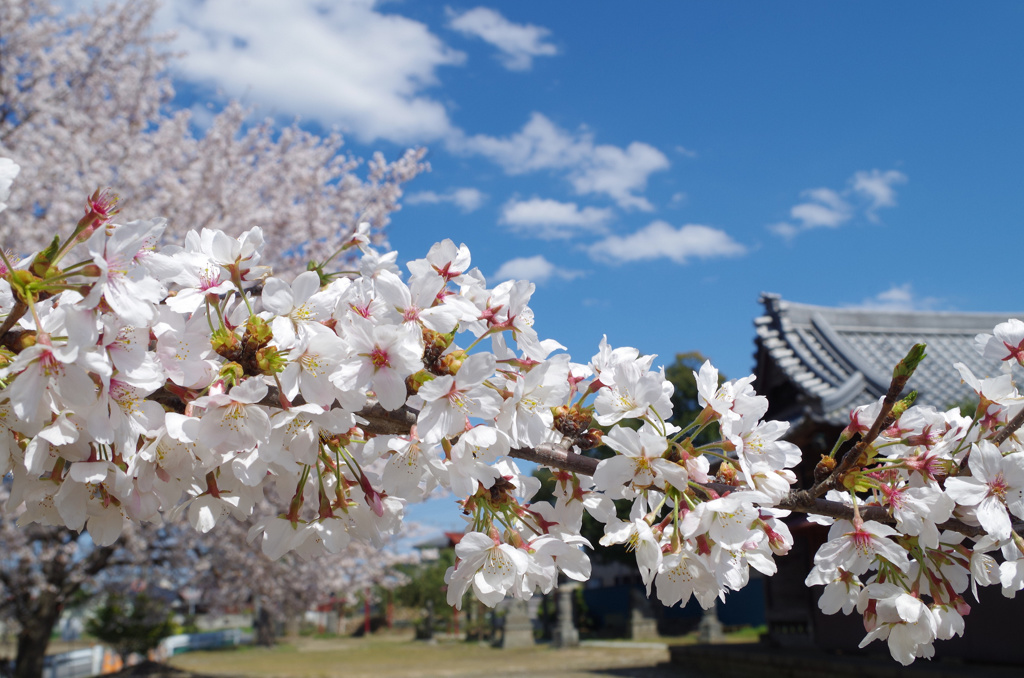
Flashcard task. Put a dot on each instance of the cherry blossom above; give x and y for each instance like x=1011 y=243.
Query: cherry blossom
x=995 y=486
x=190 y=381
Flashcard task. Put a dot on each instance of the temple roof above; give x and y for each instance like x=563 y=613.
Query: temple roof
x=827 y=361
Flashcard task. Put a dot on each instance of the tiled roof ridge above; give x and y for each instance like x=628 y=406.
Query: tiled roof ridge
x=839 y=358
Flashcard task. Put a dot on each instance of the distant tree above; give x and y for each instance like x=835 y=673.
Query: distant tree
x=426 y=583
x=231 y=572
x=45 y=568
x=132 y=623
x=84 y=103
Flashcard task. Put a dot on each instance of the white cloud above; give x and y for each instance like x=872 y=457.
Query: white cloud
x=784 y=230
x=535 y=269
x=518 y=43
x=466 y=199
x=877 y=188
x=552 y=220
x=339 y=62
x=825 y=208
x=660 y=240
x=900 y=298
x=866 y=192
x=602 y=169
x=618 y=173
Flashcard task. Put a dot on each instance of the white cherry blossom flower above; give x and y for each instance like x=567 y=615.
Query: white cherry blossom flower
x=451 y=400
x=235 y=420
x=856 y=547
x=995 y=486
x=381 y=357
x=639 y=465
x=492 y=568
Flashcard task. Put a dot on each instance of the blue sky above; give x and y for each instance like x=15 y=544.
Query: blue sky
x=656 y=167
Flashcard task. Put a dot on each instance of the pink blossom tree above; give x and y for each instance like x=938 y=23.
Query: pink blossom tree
x=233 y=572
x=44 y=567
x=84 y=104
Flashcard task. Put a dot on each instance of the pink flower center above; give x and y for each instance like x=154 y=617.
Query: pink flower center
x=379 y=358
x=998 y=487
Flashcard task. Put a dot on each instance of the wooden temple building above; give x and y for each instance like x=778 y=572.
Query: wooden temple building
x=815 y=364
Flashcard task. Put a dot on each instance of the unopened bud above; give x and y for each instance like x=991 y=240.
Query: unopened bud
x=451 y=363
x=824 y=467
x=225 y=343
x=571 y=421
x=906 y=367
x=727 y=474
x=257 y=332
x=590 y=439
x=902 y=405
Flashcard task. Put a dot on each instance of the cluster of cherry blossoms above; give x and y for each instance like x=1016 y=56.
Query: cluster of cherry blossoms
x=939 y=478
x=141 y=384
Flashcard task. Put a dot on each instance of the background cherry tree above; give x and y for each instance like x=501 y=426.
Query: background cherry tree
x=230 y=572
x=84 y=104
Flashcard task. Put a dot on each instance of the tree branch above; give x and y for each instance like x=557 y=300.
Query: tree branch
x=380 y=421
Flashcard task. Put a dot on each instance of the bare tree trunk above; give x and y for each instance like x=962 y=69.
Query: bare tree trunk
x=264 y=627
x=34 y=637
x=37 y=608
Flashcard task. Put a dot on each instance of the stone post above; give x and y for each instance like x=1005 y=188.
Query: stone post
x=518 y=631
x=565 y=634
x=710 y=628
x=642 y=623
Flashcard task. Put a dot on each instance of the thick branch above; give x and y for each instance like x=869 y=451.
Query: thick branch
x=400 y=422
x=549 y=454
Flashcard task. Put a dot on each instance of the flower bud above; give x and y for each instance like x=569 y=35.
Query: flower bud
x=571 y=421
x=590 y=439
x=270 y=360
x=823 y=468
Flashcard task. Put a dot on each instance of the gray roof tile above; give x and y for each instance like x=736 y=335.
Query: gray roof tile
x=840 y=358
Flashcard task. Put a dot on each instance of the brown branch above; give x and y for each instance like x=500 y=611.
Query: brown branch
x=550 y=454
x=400 y=422
x=802 y=502
x=1008 y=430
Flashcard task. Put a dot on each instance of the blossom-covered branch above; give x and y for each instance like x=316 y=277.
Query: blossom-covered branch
x=142 y=383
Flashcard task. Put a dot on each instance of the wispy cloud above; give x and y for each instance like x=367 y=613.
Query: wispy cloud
x=517 y=44
x=553 y=220
x=369 y=70
x=877 y=188
x=900 y=298
x=866 y=193
x=466 y=199
x=619 y=173
x=824 y=207
x=537 y=269
x=659 y=240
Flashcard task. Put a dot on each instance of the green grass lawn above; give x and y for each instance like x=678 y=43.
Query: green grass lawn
x=402 y=658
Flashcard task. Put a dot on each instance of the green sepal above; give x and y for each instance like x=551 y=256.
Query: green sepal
x=231 y=373
x=257 y=332
x=270 y=360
